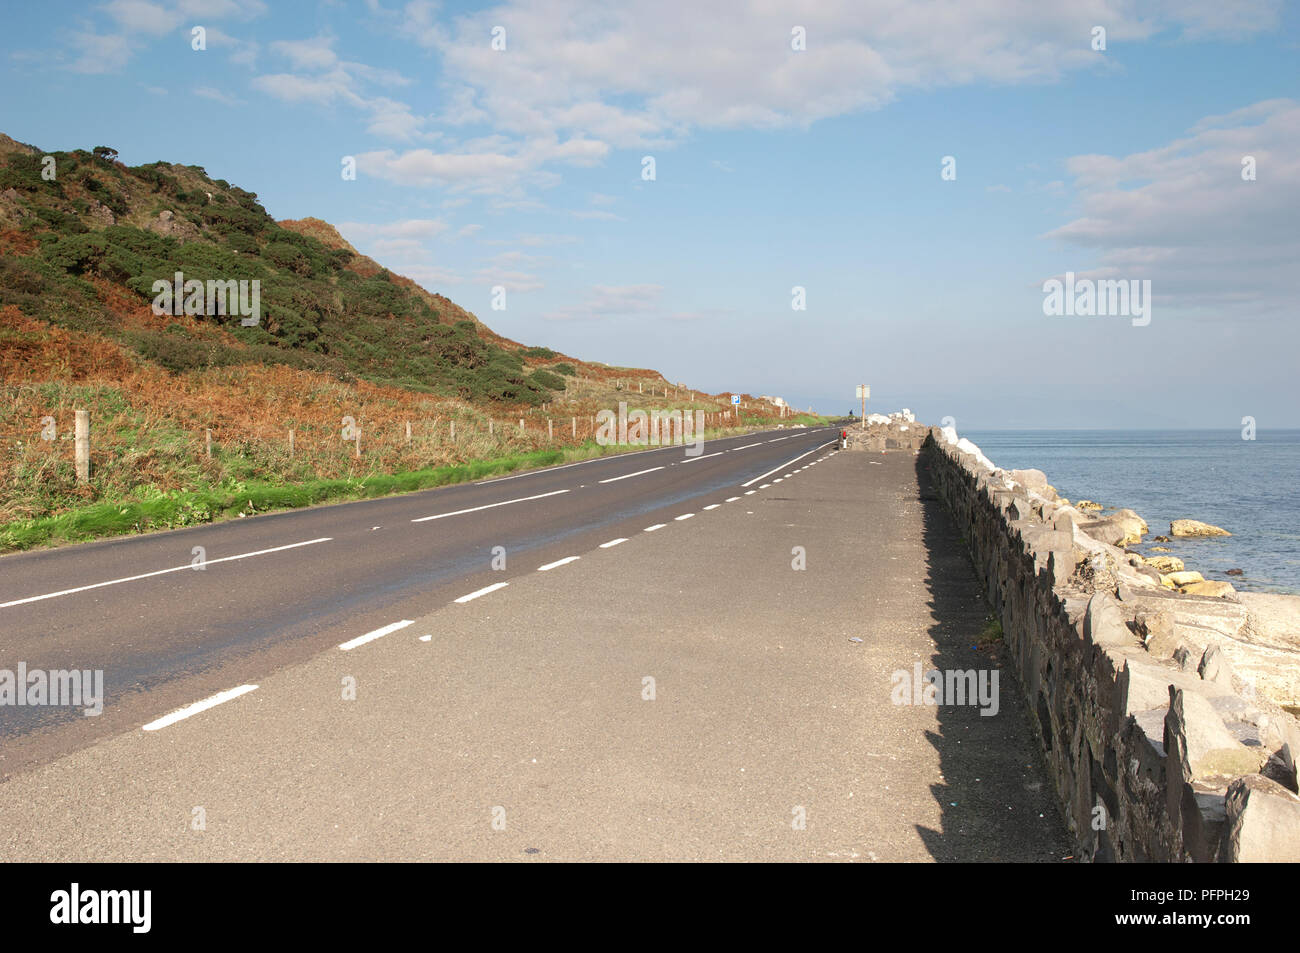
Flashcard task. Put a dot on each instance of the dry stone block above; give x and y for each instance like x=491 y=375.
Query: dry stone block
x=1262 y=823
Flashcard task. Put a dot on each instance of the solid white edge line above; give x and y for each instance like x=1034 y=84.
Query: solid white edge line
x=475 y=509
x=182 y=713
x=377 y=634
x=628 y=476
x=613 y=542
x=482 y=592
x=161 y=572
x=559 y=562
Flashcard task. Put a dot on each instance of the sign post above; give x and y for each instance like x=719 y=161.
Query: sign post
x=735 y=403
x=864 y=392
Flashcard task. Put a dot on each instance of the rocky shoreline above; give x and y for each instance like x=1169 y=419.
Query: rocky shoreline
x=1257 y=634
x=1165 y=710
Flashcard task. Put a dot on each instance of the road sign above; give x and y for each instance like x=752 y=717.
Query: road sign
x=864 y=392
x=735 y=398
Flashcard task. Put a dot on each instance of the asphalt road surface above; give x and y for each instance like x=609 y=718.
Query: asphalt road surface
x=665 y=669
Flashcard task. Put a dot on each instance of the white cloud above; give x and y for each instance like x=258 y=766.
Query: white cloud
x=323 y=89
x=578 y=79
x=136 y=23
x=635 y=75
x=216 y=95
x=511 y=280
x=606 y=301
x=315 y=53
x=1182 y=216
x=406 y=228
x=100 y=53
x=139 y=16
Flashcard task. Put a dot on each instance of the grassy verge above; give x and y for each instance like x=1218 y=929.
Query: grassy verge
x=160 y=509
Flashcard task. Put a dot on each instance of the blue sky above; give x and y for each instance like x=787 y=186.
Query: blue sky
x=775 y=168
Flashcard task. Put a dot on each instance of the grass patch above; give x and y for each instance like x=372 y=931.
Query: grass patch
x=991 y=635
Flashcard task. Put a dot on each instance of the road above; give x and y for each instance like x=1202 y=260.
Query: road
x=656 y=679
x=279 y=588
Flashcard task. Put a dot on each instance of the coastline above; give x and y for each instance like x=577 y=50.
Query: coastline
x=1257 y=628
x=1211 y=475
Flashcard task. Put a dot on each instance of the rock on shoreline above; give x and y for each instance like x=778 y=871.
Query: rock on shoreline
x=1195 y=528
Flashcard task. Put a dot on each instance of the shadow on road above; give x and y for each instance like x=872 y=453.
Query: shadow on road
x=997 y=799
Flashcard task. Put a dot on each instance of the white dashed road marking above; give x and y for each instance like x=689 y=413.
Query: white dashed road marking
x=183 y=713
x=483 y=592
x=559 y=562
x=377 y=634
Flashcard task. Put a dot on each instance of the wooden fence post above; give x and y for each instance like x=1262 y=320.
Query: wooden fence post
x=82 y=446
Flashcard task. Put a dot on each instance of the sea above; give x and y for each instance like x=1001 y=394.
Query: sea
x=1248 y=487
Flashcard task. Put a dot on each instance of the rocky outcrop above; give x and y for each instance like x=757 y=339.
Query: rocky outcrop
x=168 y=224
x=1145 y=699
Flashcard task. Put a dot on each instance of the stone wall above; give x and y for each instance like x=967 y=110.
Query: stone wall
x=1155 y=749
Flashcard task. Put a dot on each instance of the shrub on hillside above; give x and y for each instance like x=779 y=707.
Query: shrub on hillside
x=544 y=378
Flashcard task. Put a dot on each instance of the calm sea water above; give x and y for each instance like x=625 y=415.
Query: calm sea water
x=1246 y=486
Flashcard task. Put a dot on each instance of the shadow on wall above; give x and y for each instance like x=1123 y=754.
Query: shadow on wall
x=996 y=798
